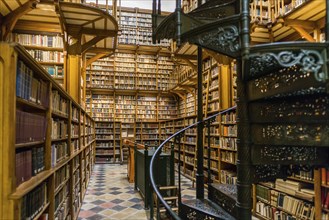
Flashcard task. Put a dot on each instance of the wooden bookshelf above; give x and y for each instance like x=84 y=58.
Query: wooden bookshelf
x=43 y=142
x=47 y=49
x=147 y=133
x=108 y=142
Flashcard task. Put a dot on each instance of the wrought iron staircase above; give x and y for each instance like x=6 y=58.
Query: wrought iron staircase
x=209 y=208
x=282 y=106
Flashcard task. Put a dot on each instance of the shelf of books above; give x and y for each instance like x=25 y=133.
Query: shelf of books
x=167 y=107
x=324 y=182
x=228 y=147
x=285 y=199
x=102 y=107
x=100 y=74
x=108 y=142
x=191 y=100
x=146 y=108
x=125 y=69
x=136 y=27
x=146 y=72
x=147 y=133
x=164 y=71
x=125 y=112
x=38 y=152
x=47 y=49
x=189 y=151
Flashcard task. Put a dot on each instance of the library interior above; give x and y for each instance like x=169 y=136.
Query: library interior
x=217 y=109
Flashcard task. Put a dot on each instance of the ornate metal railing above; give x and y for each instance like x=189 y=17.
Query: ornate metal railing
x=177 y=140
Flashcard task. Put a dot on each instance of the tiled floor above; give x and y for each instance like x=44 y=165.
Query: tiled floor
x=111 y=196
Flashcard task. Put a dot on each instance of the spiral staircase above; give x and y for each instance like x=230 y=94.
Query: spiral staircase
x=282 y=105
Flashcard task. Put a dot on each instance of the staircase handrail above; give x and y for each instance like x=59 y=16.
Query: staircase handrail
x=158 y=151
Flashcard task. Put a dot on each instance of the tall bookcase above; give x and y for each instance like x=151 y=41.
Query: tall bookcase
x=108 y=142
x=47 y=157
x=136 y=26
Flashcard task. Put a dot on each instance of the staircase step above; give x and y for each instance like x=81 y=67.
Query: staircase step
x=170 y=198
x=203 y=209
x=162 y=210
x=167 y=187
x=224 y=195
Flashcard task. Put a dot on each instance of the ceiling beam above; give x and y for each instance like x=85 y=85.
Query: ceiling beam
x=321 y=23
x=182 y=56
x=182 y=96
x=300 y=23
x=90 y=43
x=96 y=57
x=192 y=65
x=75 y=30
x=9 y=21
x=92 y=21
x=100 y=50
x=304 y=33
x=27 y=26
x=189 y=89
x=221 y=59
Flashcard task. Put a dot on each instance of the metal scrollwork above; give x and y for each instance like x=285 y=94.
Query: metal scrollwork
x=288 y=153
x=311 y=61
x=265 y=173
x=226 y=38
x=192 y=214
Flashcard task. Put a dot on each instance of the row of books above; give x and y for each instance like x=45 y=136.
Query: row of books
x=229 y=117
x=61 y=197
x=47 y=56
x=59 y=129
x=29 y=87
x=60 y=104
x=75 y=114
x=75 y=130
x=55 y=70
x=228 y=143
x=33 y=202
x=325 y=176
x=276 y=198
x=62 y=212
x=230 y=131
x=62 y=175
x=106 y=151
x=59 y=151
x=325 y=198
x=228 y=156
x=30 y=127
x=228 y=177
x=270 y=212
x=39 y=40
x=104 y=145
x=29 y=163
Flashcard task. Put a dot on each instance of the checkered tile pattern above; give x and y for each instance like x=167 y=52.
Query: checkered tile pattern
x=110 y=195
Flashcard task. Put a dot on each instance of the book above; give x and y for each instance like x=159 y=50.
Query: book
x=30 y=127
x=323 y=176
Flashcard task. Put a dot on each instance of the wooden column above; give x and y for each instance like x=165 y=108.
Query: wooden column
x=73 y=76
x=8 y=60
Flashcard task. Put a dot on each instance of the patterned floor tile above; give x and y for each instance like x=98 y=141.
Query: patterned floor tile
x=117 y=201
x=110 y=196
